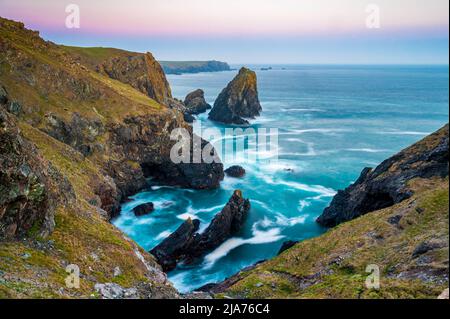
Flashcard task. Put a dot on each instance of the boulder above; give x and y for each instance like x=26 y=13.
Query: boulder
x=195 y=102
x=235 y=171
x=387 y=184
x=239 y=100
x=144 y=209
x=3 y=95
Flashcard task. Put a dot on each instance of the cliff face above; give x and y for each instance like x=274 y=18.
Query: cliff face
x=239 y=100
x=142 y=72
x=70 y=129
x=388 y=184
x=406 y=241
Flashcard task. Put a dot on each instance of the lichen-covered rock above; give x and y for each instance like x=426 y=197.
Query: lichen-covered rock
x=187 y=245
x=238 y=101
x=30 y=186
x=388 y=183
x=195 y=102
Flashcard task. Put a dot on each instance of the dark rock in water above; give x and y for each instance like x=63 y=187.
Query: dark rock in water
x=225 y=224
x=235 y=171
x=188 y=118
x=195 y=102
x=185 y=244
x=175 y=247
x=144 y=209
x=388 y=183
x=239 y=100
x=287 y=245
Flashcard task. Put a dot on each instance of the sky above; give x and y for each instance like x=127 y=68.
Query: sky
x=251 y=31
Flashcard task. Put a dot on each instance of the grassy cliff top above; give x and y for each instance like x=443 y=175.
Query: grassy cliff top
x=334 y=264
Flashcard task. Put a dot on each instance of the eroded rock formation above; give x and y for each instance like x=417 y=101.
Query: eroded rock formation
x=195 y=102
x=185 y=244
x=238 y=101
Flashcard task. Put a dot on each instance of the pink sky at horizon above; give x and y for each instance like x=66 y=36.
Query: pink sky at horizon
x=231 y=17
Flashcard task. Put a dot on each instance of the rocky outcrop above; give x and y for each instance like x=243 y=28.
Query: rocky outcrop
x=388 y=184
x=195 y=102
x=30 y=187
x=235 y=171
x=177 y=246
x=185 y=244
x=238 y=101
x=144 y=209
x=142 y=72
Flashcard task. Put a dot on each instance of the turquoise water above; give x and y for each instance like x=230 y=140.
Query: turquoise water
x=332 y=122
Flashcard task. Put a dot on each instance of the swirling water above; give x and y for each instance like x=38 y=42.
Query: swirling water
x=332 y=122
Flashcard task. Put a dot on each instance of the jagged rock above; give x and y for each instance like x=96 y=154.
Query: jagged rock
x=287 y=245
x=235 y=171
x=195 y=102
x=142 y=72
x=30 y=187
x=388 y=183
x=80 y=133
x=144 y=209
x=174 y=247
x=14 y=107
x=186 y=244
x=239 y=100
x=225 y=224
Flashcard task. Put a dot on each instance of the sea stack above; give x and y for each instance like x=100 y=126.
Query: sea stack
x=195 y=102
x=186 y=244
x=238 y=101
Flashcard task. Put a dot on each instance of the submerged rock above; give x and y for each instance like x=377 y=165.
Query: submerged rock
x=388 y=183
x=144 y=209
x=195 y=102
x=239 y=100
x=235 y=171
x=185 y=244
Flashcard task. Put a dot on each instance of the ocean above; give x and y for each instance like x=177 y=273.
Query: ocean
x=332 y=121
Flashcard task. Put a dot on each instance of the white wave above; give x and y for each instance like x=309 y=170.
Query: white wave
x=163 y=235
x=303 y=203
x=301 y=110
x=404 y=133
x=367 y=150
x=186 y=216
x=319 y=189
x=259 y=237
